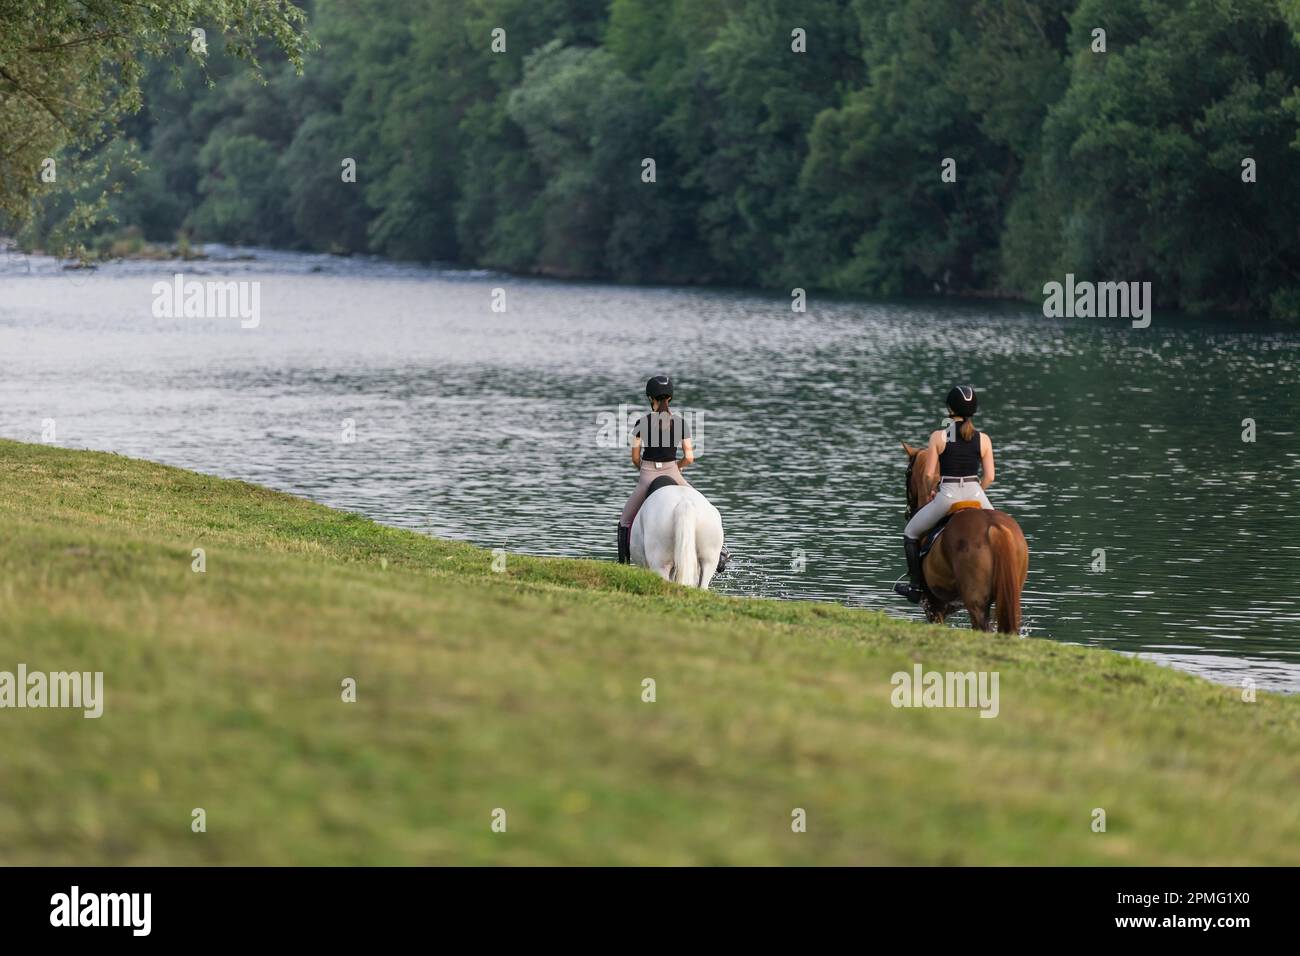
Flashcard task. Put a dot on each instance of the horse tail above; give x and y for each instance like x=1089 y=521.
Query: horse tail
x=686 y=563
x=1006 y=587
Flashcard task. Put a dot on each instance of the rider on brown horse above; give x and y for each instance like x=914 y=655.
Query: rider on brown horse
x=959 y=452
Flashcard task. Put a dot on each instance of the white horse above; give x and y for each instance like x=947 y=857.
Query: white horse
x=678 y=534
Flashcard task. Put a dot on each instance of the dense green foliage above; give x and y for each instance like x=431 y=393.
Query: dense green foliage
x=819 y=169
x=71 y=69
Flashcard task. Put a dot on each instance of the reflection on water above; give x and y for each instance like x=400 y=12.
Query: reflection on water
x=486 y=426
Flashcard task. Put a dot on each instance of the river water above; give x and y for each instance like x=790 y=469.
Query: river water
x=1112 y=443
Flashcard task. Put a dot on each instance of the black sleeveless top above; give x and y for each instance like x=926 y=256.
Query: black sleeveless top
x=960 y=459
x=661 y=435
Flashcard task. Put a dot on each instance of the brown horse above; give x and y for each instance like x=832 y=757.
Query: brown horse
x=981 y=559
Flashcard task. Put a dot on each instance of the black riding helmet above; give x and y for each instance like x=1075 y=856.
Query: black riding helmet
x=661 y=386
x=963 y=401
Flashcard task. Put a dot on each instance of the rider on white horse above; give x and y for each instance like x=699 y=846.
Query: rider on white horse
x=959 y=452
x=655 y=440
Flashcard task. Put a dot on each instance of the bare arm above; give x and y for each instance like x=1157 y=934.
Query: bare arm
x=636 y=453
x=986 y=460
x=688 y=454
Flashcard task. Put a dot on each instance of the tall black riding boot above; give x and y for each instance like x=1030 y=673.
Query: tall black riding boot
x=624 y=545
x=914 y=590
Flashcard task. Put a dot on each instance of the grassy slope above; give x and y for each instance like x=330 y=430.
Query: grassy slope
x=522 y=690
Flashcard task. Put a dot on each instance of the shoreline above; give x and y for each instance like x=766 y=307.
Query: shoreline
x=1244 y=666
x=133 y=250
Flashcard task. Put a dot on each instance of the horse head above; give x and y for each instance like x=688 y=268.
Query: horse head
x=913 y=492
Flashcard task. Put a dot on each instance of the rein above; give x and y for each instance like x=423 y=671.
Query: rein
x=911 y=508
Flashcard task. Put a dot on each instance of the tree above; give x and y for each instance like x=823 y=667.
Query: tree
x=242 y=191
x=69 y=69
x=1141 y=176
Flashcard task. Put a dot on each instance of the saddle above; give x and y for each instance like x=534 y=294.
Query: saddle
x=663 y=481
x=928 y=542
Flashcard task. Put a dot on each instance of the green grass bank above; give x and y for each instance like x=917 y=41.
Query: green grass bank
x=522 y=690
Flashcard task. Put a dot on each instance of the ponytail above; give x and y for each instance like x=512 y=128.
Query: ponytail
x=967 y=429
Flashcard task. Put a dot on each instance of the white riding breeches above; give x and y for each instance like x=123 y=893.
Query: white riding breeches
x=949 y=494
